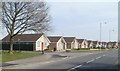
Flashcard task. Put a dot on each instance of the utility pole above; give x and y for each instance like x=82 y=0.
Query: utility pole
x=100 y=32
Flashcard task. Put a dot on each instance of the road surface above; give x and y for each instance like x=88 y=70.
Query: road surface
x=101 y=60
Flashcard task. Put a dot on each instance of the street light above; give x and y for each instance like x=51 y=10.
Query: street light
x=100 y=31
x=110 y=34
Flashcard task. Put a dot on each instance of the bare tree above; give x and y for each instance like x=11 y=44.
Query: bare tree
x=19 y=17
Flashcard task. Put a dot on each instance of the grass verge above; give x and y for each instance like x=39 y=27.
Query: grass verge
x=84 y=51
x=17 y=55
x=80 y=51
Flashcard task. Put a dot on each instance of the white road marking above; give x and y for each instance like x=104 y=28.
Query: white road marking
x=98 y=57
x=90 y=61
x=75 y=67
x=86 y=62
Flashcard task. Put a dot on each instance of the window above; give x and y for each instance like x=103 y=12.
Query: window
x=27 y=43
x=38 y=43
x=46 y=44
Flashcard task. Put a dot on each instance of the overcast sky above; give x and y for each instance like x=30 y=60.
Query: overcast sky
x=82 y=19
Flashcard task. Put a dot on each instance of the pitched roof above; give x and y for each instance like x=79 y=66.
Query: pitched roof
x=95 y=42
x=89 y=41
x=99 y=42
x=54 y=38
x=80 y=40
x=113 y=43
x=104 y=42
x=24 y=37
x=69 y=39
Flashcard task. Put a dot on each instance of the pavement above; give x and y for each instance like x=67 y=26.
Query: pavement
x=101 y=60
x=46 y=58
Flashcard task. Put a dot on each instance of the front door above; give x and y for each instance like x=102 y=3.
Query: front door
x=42 y=46
x=54 y=49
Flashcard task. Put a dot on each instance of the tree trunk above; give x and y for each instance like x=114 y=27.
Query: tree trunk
x=11 y=45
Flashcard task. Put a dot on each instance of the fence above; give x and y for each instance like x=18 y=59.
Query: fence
x=19 y=46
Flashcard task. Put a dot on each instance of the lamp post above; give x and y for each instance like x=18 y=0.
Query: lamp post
x=101 y=31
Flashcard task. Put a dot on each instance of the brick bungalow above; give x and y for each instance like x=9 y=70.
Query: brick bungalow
x=27 y=42
x=90 y=43
x=104 y=44
x=113 y=44
x=72 y=43
x=57 y=43
x=83 y=43
x=96 y=44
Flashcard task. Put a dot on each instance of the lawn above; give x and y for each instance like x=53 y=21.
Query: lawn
x=84 y=51
x=17 y=55
x=77 y=51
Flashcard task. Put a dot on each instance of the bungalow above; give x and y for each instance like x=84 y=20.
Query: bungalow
x=113 y=44
x=100 y=44
x=90 y=43
x=96 y=44
x=118 y=44
x=57 y=43
x=110 y=44
x=83 y=43
x=27 y=42
x=72 y=43
x=104 y=44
